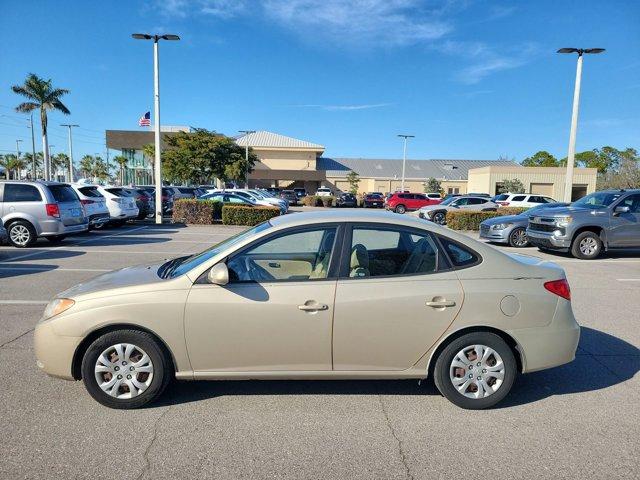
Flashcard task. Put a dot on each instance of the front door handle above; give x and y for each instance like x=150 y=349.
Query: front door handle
x=313 y=307
x=441 y=303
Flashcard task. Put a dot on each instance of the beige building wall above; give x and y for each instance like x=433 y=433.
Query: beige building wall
x=287 y=159
x=543 y=180
x=455 y=186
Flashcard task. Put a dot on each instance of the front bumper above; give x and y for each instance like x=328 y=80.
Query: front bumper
x=548 y=240
x=498 y=236
x=54 y=353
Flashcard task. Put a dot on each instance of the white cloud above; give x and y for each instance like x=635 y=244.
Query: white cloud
x=365 y=106
x=217 y=8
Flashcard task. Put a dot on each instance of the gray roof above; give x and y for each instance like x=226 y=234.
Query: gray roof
x=264 y=139
x=415 y=169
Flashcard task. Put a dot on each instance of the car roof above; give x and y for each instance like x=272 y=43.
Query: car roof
x=305 y=218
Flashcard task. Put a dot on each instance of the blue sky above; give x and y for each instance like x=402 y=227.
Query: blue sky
x=471 y=79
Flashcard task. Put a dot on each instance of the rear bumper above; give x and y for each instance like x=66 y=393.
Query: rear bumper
x=552 y=345
x=99 y=218
x=57 y=227
x=548 y=240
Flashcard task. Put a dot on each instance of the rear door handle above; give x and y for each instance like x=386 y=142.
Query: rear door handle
x=441 y=303
x=274 y=264
x=314 y=307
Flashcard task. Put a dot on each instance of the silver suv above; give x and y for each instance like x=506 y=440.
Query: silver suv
x=40 y=209
x=605 y=220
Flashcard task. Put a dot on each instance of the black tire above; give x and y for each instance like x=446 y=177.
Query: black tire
x=162 y=368
x=515 y=239
x=98 y=226
x=444 y=383
x=56 y=238
x=440 y=218
x=22 y=230
x=400 y=209
x=586 y=246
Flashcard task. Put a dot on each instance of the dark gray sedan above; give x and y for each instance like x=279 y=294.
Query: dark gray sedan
x=512 y=229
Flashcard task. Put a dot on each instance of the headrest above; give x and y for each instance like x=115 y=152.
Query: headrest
x=359 y=256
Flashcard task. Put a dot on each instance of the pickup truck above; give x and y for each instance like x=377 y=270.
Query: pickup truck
x=605 y=220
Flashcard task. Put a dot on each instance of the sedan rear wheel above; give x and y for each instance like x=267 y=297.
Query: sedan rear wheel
x=475 y=371
x=518 y=238
x=125 y=369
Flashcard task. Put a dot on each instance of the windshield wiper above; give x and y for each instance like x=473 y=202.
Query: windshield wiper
x=169 y=267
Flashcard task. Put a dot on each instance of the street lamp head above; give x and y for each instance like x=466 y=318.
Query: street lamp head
x=406 y=136
x=594 y=50
x=170 y=37
x=568 y=50
x=141 y=36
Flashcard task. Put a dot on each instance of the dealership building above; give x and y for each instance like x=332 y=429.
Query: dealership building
x=288 y=162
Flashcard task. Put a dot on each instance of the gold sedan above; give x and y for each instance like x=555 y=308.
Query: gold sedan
x=329 y=295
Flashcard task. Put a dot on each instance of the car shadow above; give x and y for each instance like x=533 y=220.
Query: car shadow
x=602 y=361
x=8 y=270
x=7 y=256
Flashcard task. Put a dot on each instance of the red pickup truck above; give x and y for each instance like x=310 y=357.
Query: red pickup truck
x=402 y=202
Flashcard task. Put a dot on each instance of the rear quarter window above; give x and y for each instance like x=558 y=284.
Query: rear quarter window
x=459 y=255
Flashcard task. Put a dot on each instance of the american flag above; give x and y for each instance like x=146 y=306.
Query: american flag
x=145 y=120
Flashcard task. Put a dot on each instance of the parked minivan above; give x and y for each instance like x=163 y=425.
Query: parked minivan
x=40 y=209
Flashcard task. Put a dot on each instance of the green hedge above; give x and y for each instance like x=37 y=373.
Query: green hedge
x=318 y=201
x=467 y=220
x=241 y=215
x=198 y=212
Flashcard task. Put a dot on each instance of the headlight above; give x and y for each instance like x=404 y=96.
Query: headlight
x=501 y=226
x=57 y=306
x=563 y=221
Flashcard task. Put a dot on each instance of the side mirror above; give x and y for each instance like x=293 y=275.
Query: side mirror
x=622 y=209
x=218 y=274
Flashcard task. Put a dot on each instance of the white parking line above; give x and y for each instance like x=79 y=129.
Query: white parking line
x=44 y=268
x=591 y=262
x=628 y=279
x=33 y=254
x=24 y=302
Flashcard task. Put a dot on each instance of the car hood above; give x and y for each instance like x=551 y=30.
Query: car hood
x=566 y=211
x=505 y=219
x=428 y=208
x=126 y=277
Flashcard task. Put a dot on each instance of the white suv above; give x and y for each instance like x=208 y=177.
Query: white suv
x=526 y=200
x=122 y=207
x=323 y=192
x=94 y=204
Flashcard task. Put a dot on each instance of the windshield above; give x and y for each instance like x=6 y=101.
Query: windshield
x=180 y=266
x=448 y=200
x=597 y=200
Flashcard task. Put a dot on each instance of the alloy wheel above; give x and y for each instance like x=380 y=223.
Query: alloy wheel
x=439 y=218
x=123 y=371
x=477 y=371
x=519 y=238
x=20 y=235
x=588 y=246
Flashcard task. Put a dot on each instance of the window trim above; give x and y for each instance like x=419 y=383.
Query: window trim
x=345 y=253
x=333 y=262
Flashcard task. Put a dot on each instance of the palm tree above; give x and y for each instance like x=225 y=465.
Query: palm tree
x=122 y=161
x=41 y=95
x=60 y=162
x=100 y=170
x=12 y=163
x=86 y=165
x=2 y=164
x=149 y=152
x=28 y=158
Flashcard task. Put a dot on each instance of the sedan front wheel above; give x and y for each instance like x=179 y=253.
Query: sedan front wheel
x=125 y=369
x=476 y=370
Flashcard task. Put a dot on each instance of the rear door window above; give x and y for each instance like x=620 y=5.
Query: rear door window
x=519 y=198
x=14 y=192
x=63 y=193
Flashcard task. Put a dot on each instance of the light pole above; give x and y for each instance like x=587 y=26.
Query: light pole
x=33 y=148
x=156 y=107
x=51 y=175
x=404 y=156
x=70 y=149
x=18 y=150
x=246 y=156
x=568 y=186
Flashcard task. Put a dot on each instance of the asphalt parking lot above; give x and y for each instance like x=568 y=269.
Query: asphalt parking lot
x=580 y=420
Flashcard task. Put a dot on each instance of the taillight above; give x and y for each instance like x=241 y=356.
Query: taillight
x=87 y=202
x=560 y=288
x=52 y=210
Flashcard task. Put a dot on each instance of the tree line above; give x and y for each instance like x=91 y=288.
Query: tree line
x=616 y=168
